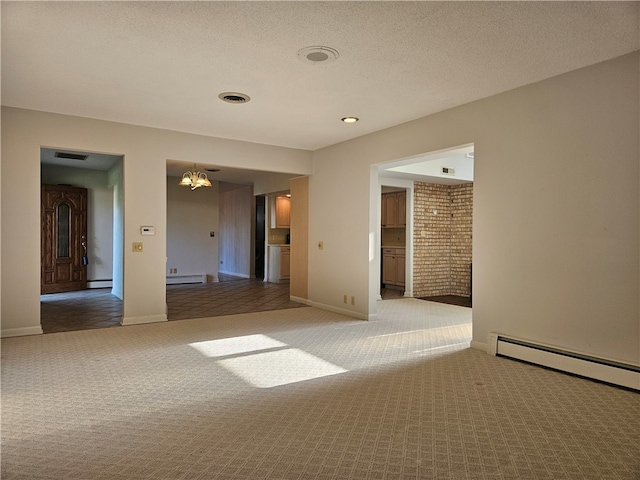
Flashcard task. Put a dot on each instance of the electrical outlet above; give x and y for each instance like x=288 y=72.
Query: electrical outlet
x=353 y=300
x=344 y=299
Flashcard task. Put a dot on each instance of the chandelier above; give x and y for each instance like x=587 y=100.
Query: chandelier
x=194 y=179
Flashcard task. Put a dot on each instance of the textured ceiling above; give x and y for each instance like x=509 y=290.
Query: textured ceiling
x=163 y=64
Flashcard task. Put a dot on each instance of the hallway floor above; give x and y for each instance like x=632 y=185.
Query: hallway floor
x=97 y=308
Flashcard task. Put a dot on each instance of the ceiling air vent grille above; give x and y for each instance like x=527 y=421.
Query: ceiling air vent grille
x=71 y=156
x=234 y=97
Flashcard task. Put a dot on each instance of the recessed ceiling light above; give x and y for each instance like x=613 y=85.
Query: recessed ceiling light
x=234 y=97
x=350 y=119
x=316 y=55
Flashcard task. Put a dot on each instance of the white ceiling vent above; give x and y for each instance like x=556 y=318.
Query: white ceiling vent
x=234 y=97
x=316 y=55
x=448 y=171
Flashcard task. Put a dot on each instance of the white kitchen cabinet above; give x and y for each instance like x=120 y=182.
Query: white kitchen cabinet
x=279 y=263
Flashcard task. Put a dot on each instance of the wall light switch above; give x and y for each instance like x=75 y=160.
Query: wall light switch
x=137 y=246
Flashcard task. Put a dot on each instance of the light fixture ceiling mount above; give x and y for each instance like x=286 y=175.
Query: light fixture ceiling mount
x=194 y=179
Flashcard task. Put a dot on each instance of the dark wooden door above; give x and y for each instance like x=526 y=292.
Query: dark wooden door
x=63 y=238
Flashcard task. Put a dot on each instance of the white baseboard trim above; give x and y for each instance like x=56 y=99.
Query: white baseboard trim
x=343 y=311
x=99 y=284
x=304 y=301
x=478 y=345
x=143 y=319
x=21 y=332
x=196 y=278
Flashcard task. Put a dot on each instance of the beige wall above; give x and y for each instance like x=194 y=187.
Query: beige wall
x=556 y=209
x=191 y=216
x=145 y=151
x=237 y=224
x=556 y=246
x=99 y=215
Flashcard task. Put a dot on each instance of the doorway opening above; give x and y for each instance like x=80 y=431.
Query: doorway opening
x=437 y=256
x=81 y=237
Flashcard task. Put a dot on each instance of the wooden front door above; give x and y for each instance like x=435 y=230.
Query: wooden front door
x=63 y=238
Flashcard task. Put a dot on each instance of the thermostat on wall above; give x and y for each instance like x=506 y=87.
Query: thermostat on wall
x=148 y=230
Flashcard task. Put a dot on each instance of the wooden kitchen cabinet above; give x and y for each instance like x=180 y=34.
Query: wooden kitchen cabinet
x=285 y=263
x=281 y=212
x=393 y=266
x=400 y=266
x=402 y=209
x=393 y=208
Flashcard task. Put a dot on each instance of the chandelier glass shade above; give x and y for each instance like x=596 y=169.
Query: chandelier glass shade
x=194 y=179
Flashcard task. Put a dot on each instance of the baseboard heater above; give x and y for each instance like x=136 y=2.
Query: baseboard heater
x=616 y=373
x=198 y=278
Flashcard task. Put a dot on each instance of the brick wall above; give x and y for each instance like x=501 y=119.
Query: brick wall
x=461 y=235
x=442 y=239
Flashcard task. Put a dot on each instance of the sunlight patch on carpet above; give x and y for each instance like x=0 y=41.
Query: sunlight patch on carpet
x=280 y=367
x=236 y=345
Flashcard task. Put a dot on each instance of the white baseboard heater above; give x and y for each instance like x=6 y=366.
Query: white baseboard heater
x=197 y=278
x=609 y=371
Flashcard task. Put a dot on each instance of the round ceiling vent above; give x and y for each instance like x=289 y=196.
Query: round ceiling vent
x=316 y=55
x=234 y=97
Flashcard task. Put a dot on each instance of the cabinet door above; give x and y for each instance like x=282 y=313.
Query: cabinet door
x=283 y=211
x=285 y=264
x=400 y=269
x=389 y=268
x=389 y=210
x=401 y=208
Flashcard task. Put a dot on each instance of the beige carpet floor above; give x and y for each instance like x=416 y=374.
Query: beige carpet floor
x=304 y=394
